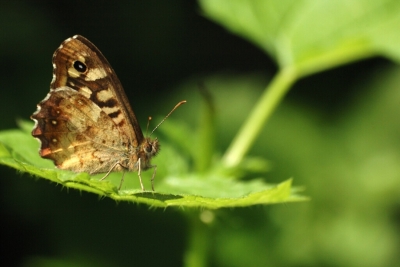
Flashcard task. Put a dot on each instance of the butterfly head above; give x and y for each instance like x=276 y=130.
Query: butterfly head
x=150 y=147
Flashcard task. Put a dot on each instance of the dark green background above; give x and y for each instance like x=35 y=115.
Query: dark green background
x=154 y=46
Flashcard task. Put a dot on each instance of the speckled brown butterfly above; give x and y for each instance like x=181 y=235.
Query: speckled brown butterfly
x=85 y=123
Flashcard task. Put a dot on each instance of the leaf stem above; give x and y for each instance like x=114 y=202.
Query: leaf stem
x=262 y=111
x=197 y=252
x=276 y=90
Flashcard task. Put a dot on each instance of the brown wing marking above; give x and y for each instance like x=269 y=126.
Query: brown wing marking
x=76 y=134
x=98 y=82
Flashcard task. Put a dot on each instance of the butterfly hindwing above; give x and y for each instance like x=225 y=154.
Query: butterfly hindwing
x=76 y=134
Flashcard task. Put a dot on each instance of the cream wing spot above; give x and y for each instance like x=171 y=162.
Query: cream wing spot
x=37 y=110
x=72 y=72
x=104 y=95
x=73 y=161
x=118 y=119
x=46 y=98
x=115 y=113
x=54 y=75
x=109 y=110
x=95 y=74
x=85 y=91
x=82 y=58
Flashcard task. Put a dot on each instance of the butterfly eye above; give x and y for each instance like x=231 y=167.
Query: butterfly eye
x=80 y=66
x=148 y=148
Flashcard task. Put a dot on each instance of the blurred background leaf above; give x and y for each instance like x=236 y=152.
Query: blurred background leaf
x=300 y=32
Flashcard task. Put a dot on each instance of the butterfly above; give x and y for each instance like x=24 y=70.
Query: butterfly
x=85 y=123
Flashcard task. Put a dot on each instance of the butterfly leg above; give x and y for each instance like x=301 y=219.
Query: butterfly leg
x=154 y=175
x=139 y=174
x=108 y=173
x=122 y=180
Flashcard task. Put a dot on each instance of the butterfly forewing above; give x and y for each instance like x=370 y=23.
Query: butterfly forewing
x=98 y=82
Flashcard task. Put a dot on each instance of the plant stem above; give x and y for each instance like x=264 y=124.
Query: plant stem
x=262 y=111
x=279 y=86
x=197 y=252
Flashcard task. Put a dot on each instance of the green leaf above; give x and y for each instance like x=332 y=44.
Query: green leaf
x=304 y=37
x=313 y=35
x=18 y=149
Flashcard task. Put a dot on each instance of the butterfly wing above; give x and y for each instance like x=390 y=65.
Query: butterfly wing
x=85 y=123
x=76 y=134
x=80 y=65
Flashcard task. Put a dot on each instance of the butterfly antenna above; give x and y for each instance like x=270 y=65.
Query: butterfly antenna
x=148 y=123
x=176 y=106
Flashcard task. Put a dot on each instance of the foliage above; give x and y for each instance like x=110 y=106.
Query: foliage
x=349 y=164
